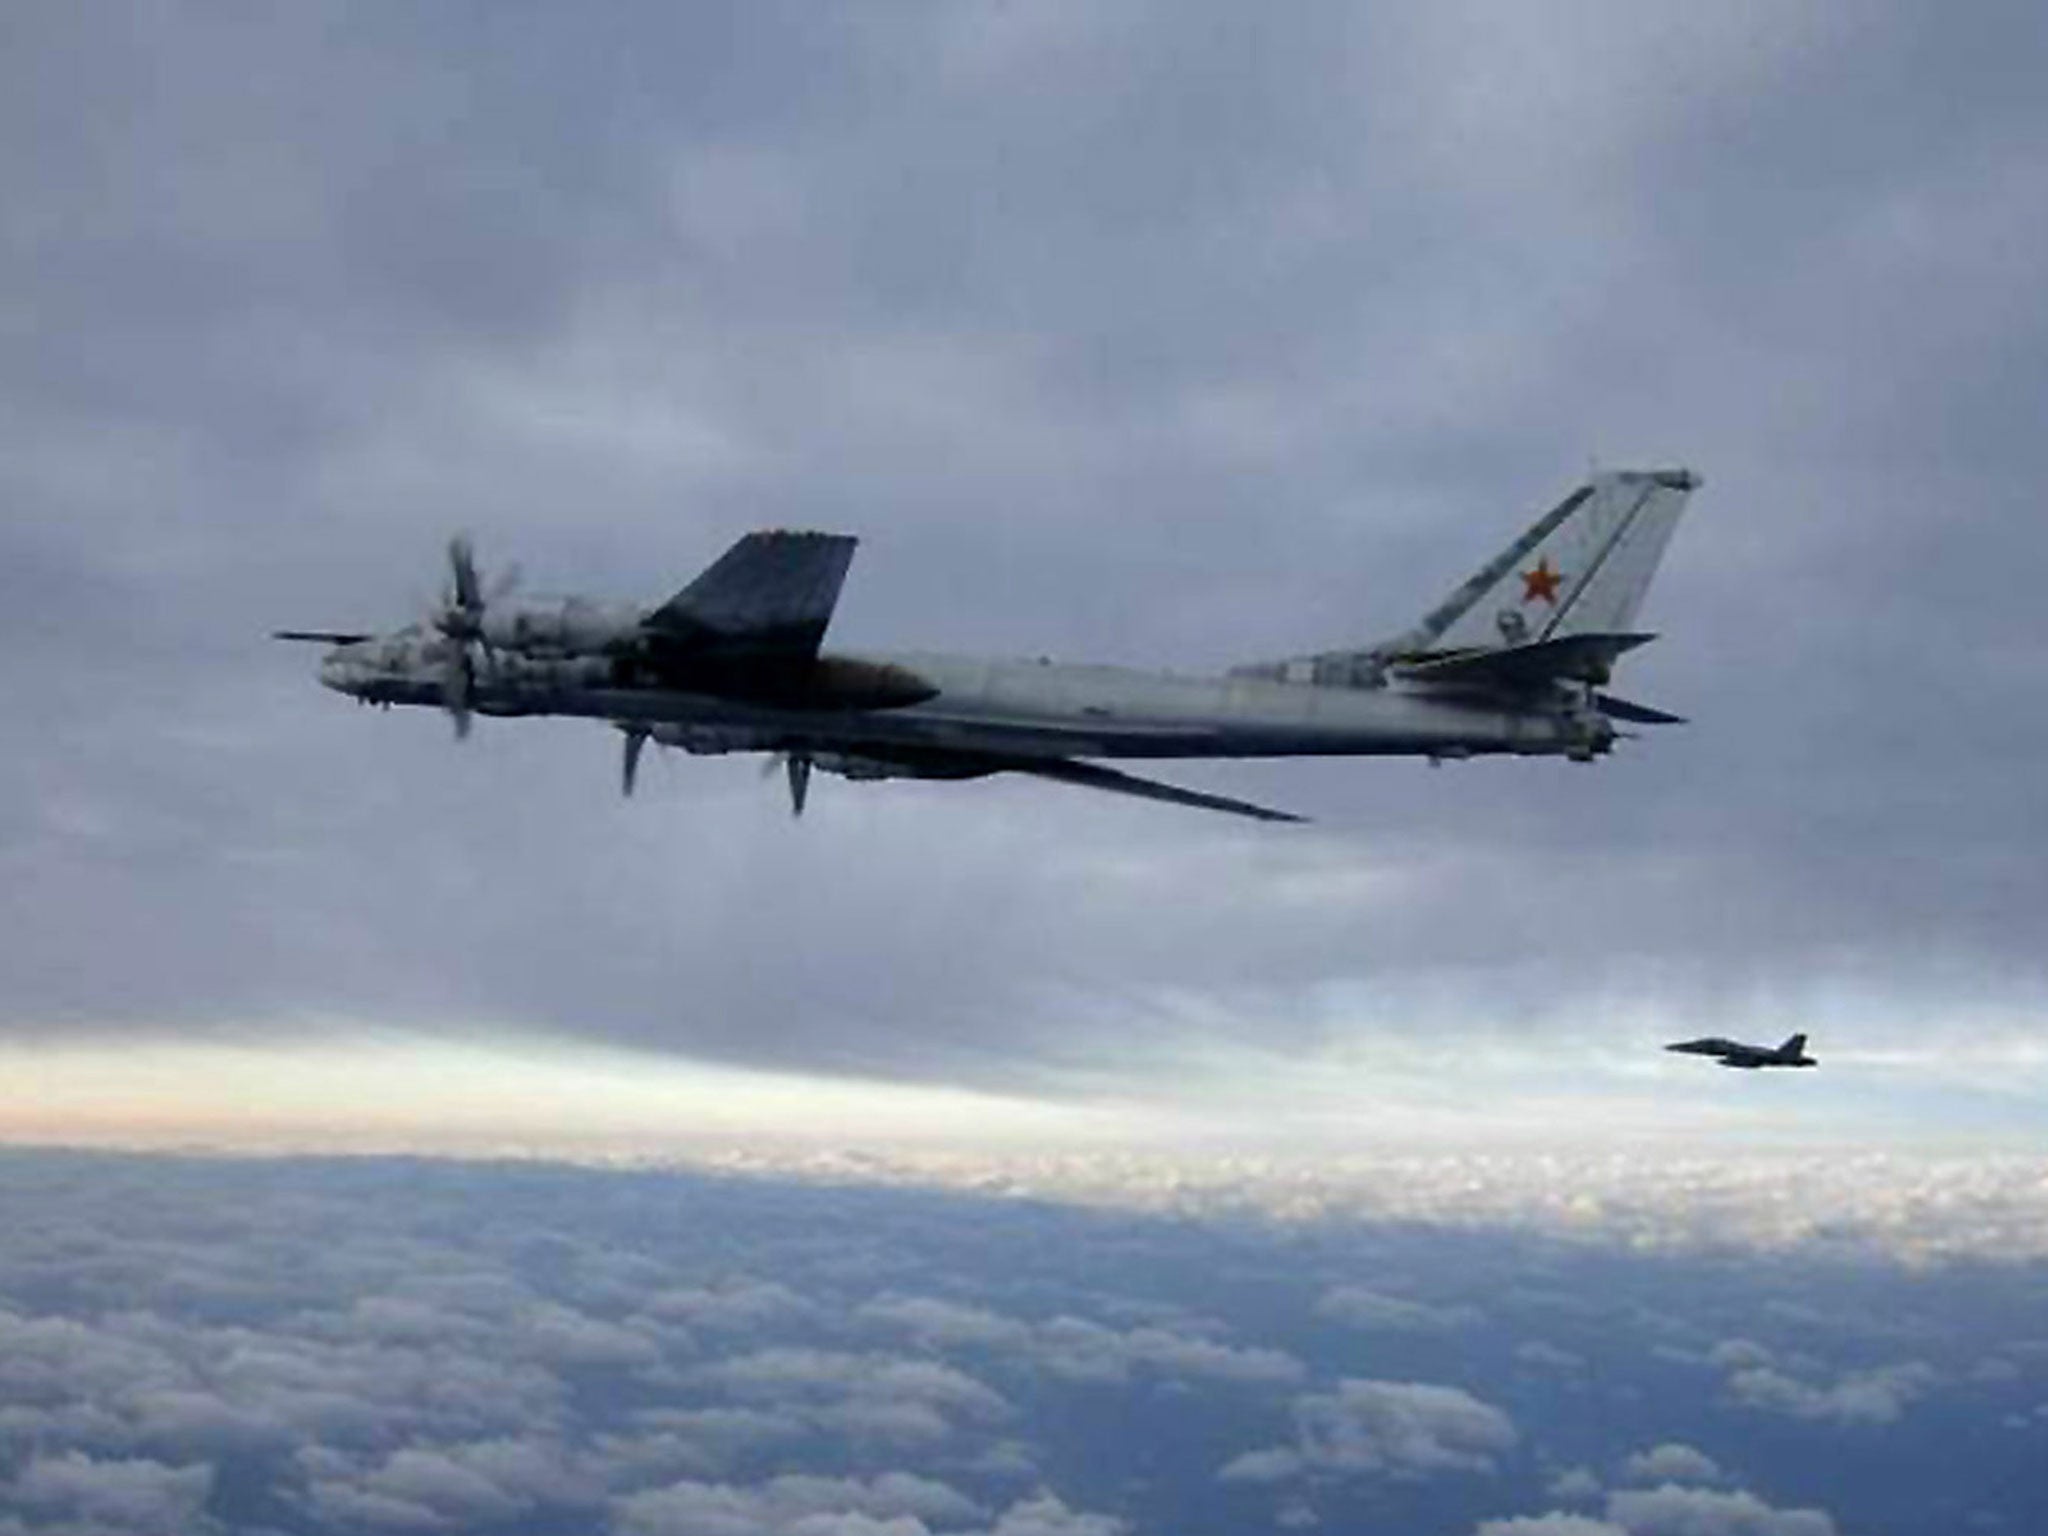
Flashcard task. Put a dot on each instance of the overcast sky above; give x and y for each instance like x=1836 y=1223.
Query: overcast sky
x=1176 y=334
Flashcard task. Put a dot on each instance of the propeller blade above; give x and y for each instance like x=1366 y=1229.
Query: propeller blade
x=636 y=743
x=460 y=614
x=468 y=593
x=455 y=690
x=321 y=636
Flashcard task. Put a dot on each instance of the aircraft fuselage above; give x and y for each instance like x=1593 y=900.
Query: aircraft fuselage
x=1734 y=1053
x=1004 y=708
x=1511 y=662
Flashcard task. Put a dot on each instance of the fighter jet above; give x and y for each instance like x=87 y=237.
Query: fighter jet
x=1510 y=663
x=1733 y=1053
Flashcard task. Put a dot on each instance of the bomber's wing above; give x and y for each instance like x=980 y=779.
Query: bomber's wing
x=1709 y=1045
x=1067 y=770
x=769 y=596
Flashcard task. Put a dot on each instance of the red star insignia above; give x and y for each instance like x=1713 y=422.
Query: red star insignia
x=1542 y=582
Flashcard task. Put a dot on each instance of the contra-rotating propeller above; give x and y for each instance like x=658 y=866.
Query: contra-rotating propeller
x=460 y=620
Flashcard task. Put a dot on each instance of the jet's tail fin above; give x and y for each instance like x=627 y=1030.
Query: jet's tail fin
x=1796 y=1046
x=1580 y=569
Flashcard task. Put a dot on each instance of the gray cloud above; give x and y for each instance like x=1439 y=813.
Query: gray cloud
x=1878 y=1396
x=442 y=1488
x=1402 y=1429
x=1672 y=1511
x=932 y=1321
x=1545 y=1356
x=1671 y=1462
x=1169 y=335
x=895 y=1504
x=872 y=1397
x=1574 y=1484
x=112 y=1494
x=1077 y=1349
x=1355 y=1306
x=1557 y=1523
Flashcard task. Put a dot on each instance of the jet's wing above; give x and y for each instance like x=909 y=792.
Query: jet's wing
x=1067 y=770
x=769 y=596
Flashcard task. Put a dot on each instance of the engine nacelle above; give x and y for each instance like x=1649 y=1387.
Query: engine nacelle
x=571 y=627
x=547 y=674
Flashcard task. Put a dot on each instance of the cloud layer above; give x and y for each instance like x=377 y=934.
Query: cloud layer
x=299 y=1347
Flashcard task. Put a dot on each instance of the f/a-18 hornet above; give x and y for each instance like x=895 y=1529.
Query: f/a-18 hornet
x=1511 y=662
x=1733 y=1053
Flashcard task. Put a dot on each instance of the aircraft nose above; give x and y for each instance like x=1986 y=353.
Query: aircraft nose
x=341 y=671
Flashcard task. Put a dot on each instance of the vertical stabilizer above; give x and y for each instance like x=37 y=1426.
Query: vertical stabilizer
x=1560 y=600
x=1796 y=1046
x=1580 y=569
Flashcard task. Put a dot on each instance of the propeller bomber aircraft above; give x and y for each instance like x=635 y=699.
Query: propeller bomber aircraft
x=1511 y=662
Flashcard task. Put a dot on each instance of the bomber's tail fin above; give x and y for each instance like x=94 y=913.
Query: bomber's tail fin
x=1796 y=1046
x=1558 y=602
x=1580 y=569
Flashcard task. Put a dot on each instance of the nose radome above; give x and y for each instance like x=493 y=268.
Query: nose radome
x=338 y=671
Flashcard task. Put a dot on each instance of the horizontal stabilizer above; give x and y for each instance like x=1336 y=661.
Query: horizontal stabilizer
x=1635 y=714
x=1094 y=776
x=1586 y=658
